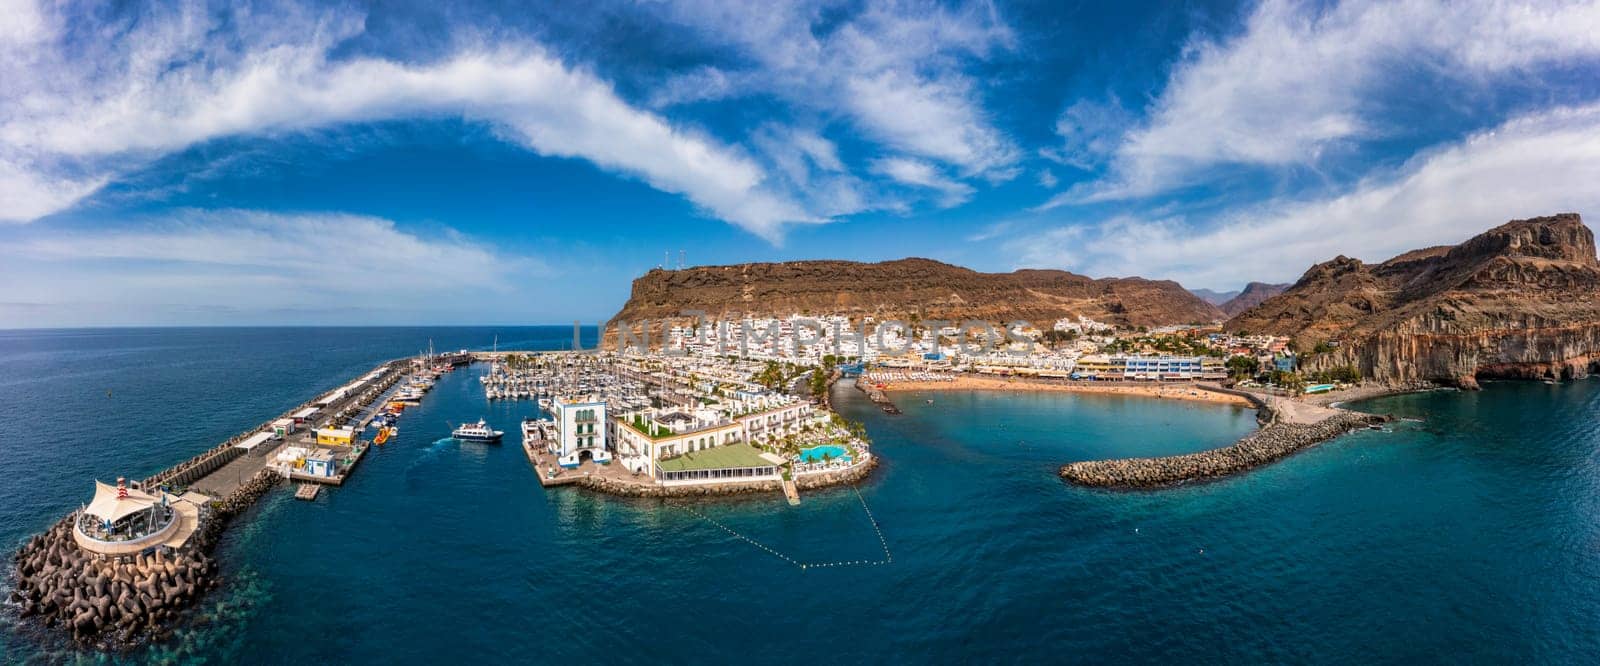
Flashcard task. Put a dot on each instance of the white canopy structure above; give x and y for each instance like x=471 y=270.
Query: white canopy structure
x=253 y=441
x=111 y=507
x=123 y=521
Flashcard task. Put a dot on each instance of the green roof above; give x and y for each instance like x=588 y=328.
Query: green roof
x=716 y=457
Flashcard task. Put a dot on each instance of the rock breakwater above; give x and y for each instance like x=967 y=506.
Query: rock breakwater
x=117 y=602
x=1262 y=447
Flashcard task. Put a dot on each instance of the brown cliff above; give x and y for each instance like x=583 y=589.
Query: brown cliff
x=1253 y=294
x=902 y=288
x=1520 y=300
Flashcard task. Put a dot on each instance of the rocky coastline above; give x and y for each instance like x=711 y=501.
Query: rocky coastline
x=1267 y=445
x=118 y=602
x=1519 y=301
x=808 y=482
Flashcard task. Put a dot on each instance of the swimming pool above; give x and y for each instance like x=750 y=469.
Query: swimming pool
x=815 y=454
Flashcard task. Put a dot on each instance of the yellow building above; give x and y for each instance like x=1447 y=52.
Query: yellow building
x=336 y=436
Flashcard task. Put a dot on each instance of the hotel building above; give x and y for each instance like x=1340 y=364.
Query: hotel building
x=1150 y=368
x=580 y=430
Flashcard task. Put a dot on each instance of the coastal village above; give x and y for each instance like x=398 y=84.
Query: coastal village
x=715 y=408
x=688 y=421
x=1079 y=349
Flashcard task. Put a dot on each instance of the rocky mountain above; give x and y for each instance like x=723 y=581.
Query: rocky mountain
x=905 y=287
x=1216 y=298
x=1253 y=294
x=1520 y=300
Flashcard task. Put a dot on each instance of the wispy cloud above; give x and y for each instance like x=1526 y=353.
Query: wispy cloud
x=918 y=173
x=178 y=86
x=897 y=70
x=1537 y=164
x=990 y=232
x=1301 y=79
x=252 y=261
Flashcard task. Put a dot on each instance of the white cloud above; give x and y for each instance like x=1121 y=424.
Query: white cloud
x=1089 y=131
x=896 y=70
x=30 y=194
x=918 y=173
x=990 y=232
x=22 y=23
x=1047 y=179
x=251 y=261
x=1301 y=79
x=808 y=164
x=175 y=93
x=1534 y=165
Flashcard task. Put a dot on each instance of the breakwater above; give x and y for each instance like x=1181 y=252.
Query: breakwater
x=878 y=397
x=119 y=601
x=1267 y=445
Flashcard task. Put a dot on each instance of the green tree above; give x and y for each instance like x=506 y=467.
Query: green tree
x=1243 y=366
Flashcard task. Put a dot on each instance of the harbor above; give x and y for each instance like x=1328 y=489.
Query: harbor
x=642 y=427
x=967 y=484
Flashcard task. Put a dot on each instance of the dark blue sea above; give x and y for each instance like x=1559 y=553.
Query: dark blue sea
x=1471 y=536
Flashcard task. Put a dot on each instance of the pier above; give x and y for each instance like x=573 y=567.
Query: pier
x=114 y=589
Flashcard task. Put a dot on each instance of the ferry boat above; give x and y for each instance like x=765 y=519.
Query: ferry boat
x=479 y=432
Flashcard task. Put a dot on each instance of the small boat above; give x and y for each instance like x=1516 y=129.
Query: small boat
x=383 y=436
x=477 y=432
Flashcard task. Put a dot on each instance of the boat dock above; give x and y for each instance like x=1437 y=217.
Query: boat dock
x=349 y=456
x=307 y=491
x=791 y=493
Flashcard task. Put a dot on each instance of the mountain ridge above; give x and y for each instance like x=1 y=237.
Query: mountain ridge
x=900 y=288
x=1519 y=300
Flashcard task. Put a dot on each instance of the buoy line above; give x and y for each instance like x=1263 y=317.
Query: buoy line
x=882 y=541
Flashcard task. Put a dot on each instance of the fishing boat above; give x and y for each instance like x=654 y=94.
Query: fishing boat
x=477 y=432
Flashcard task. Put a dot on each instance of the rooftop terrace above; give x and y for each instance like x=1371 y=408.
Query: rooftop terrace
x=721 y=457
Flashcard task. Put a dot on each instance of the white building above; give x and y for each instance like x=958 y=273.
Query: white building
x=580 y=430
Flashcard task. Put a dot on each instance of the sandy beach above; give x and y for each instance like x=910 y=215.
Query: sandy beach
x=1176 y=391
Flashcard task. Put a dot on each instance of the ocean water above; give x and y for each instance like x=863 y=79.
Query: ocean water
x=1472 y=535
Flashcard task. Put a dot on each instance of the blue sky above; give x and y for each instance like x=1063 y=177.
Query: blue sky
x=469 y=162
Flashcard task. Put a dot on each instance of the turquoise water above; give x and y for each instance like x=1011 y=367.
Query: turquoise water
x=1472 y=536
x=817 y=454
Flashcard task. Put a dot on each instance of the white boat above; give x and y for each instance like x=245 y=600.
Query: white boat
x=477 y=432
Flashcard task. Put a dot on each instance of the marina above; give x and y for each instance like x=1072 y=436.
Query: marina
x=610 y=423
x=287 y=562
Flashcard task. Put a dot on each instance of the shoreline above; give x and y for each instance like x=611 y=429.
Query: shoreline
x=1367 y=392
x=609 y=481
x=607 y=486
x=1172 y=391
